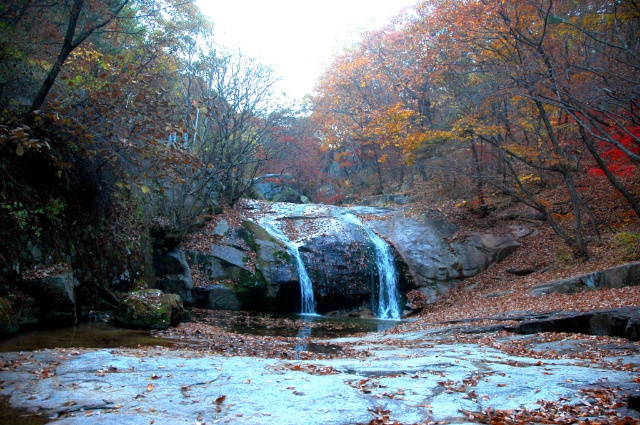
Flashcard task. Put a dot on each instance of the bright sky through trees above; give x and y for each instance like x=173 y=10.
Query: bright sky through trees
x=296 y=37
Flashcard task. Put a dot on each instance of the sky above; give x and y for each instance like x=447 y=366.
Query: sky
x=296 y=37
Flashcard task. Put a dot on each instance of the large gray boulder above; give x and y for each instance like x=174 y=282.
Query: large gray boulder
x=272 y=258
x=50 y=300
x=218 y=297
x=278 y=188
x=149 y=309
x=174 y=275
x=434 y=263
x=249 y=269
x=340 y=261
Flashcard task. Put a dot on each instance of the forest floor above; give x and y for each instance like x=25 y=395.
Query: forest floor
x=542 y=257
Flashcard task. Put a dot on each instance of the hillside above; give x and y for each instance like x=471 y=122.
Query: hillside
x=542 y=257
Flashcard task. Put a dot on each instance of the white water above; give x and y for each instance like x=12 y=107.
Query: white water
x=388 y=276
x=306 y=287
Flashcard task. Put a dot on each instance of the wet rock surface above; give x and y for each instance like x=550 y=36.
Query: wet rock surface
x=435 y=263
x=174 y=275
x=340 y=259
x=417 y=376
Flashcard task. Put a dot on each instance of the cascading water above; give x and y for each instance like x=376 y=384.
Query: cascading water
x=306 y=288
x=388 y=276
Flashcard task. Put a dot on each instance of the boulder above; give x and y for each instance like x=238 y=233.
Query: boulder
x=217 y=297
x=51 y=300
x=338 y=254
x=272 y=258
x=614 y=277
x=174 y=275
x=341 y=264
x=435 y=264
x=277 y=187
x=231 y=255
x=8 y=319
x=149 y=309
x=620 y=322
x=254 y=266
x=221 y=228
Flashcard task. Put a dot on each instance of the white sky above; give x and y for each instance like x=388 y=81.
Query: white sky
x=296 y=37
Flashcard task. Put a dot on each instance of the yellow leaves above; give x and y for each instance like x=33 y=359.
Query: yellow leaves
x=527 y=152
x=530 y=178
x=469 y=127
x=145 y=190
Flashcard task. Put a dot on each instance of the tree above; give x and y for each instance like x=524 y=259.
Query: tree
x=82 y=19
x=235 y=117
x=512 y=94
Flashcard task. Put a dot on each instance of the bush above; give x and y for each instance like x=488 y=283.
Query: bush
x=627 y=245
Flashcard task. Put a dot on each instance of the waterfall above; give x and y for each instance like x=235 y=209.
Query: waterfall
x=388 y=276
x=306 y=286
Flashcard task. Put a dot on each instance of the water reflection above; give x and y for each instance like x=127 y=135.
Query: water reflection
x=303 y=334
x=83 y=335
x=289 y=325
x=105 y=335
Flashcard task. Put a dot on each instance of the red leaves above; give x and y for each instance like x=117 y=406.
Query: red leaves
x=619 y=162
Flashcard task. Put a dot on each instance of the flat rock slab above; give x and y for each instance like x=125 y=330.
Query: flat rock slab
x=418 y=380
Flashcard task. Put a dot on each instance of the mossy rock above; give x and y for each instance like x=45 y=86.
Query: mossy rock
x=8 y=319
x=251 y=232
x=150 y=309
x=251 y=290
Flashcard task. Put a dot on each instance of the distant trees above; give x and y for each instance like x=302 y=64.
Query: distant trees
x=509 y=93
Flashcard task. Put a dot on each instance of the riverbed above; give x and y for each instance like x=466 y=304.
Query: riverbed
x=418 y=376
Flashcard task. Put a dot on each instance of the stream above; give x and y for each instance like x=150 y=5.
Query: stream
x=417 y=376
x=102 y=335
x=107 y=335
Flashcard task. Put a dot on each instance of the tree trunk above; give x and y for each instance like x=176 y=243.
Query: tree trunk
x=66 y=49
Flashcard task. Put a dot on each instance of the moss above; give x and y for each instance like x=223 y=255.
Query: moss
x=150 y=309
x=626 y=245
x=252 y=232
x=251 y=290
x=282 y=257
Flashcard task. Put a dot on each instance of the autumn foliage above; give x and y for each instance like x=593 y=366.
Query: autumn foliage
x=505 y=96
x=118 y=116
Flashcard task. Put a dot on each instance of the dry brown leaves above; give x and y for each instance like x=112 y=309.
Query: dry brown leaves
x=45 y=271
x=597 y=407
x=212 y=338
